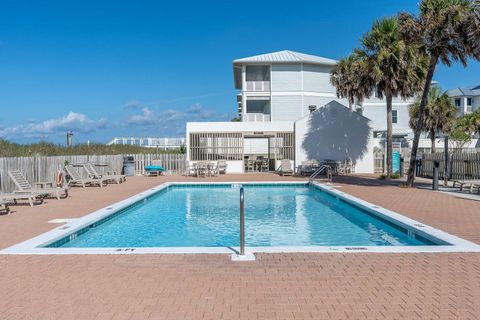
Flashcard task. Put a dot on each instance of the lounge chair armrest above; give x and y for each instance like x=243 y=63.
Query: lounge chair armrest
x=44 y=184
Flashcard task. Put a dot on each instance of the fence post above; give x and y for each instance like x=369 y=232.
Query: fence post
x=436 y=164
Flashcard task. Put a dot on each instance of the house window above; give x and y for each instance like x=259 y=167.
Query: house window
x=394 y=116
x=469 y=101
x=457 y=102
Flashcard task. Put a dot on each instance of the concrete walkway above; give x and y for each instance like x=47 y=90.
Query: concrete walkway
x=275 y=286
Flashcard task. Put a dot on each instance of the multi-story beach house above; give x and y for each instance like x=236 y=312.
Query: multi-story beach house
x=466 y=99
x=289 y=110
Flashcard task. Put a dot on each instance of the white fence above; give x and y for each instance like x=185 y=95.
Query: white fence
x=43 y=168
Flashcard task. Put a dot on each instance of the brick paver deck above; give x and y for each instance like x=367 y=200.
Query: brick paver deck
x=275 y=286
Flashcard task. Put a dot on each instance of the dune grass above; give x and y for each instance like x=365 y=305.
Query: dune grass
x=11 y=149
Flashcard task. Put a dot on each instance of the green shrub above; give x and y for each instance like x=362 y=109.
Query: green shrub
x=383 y=176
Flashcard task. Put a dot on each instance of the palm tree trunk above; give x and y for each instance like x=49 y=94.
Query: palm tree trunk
x=389 y=136
x=418 y=127
x=432 y=138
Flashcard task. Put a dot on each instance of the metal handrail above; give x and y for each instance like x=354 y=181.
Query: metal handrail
x=319 y=170
x=242 y=222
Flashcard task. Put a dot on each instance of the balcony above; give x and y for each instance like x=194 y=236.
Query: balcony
x=257 y=86
x=255 y=117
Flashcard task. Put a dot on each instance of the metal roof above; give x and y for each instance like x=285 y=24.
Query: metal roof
x=286 y=56
x=465 y=91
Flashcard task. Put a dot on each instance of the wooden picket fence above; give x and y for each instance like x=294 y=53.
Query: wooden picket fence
x=42 y=168
x=173 y=163
x=463 y=165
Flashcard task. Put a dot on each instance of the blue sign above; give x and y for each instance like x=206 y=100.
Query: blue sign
x=396 y=162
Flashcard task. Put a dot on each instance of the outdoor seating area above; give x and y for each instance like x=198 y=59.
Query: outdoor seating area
x=307 y=168
x=206 y=169
x=259 y=164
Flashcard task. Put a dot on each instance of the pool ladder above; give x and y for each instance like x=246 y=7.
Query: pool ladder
x=319 y=170
x=242 y=221
x=241 y=255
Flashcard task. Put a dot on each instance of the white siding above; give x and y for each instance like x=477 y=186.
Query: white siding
x=286 y=108
x=317 y=78
x=286 y=77
x=317 y=101
x=378 y=115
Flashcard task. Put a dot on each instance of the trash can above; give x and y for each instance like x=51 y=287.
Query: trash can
x=129 y=166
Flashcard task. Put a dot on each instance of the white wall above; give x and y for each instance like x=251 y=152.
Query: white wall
x=335 y=133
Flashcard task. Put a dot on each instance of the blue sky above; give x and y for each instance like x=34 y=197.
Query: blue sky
x=144 y=68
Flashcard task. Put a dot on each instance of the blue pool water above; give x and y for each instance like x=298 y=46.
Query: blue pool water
x=208 y=216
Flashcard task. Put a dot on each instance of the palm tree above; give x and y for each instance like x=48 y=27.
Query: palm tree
x=442 y=32
x=473 y=29
x=394 y=67
x=440 y=114
x=345 y=77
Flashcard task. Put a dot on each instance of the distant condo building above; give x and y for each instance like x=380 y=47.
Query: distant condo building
x=466 y=99
x=148 y=142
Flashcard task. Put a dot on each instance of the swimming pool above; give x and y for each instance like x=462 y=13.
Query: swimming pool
x=279 y=217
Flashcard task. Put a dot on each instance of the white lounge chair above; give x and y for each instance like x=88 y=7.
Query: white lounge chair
x=93 y=173
x=5 y=205
x=222 y=166
x=23 y=186
x=286 y=168
x=76 y=178
x=472 y=184
x=31 y=197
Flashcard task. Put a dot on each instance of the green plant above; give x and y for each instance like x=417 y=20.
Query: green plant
x=347 y=79
x=443 y=31
x=393 y=67
x=10 y=149
x=440 y=114
x=383 y=176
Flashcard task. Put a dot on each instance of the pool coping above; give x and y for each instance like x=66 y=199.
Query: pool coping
x=32 y=246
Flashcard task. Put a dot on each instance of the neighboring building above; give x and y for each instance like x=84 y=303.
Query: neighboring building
x=289 y=110
x=466 y=99
x=161 y=143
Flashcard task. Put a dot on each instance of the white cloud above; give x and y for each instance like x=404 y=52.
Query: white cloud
x=76 y=122
x=147 y=117
x=133 y=104
x=172 y=121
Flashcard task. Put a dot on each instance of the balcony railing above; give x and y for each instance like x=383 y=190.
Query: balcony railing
x=260 y=86
x=468 y=109
x=256 y=117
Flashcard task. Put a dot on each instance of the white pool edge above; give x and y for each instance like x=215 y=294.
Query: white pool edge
x=33 y=246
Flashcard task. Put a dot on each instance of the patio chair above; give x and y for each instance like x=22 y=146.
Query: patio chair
x=472 y=184
x=286 y=168
x=264 y=166
x=93 y=173
x=190 y=170
x=76 y=178
x=222 y=166
x=31 y=197
x=212 y=169
x=202 y=169
x=23 y=186
x=5 y=205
